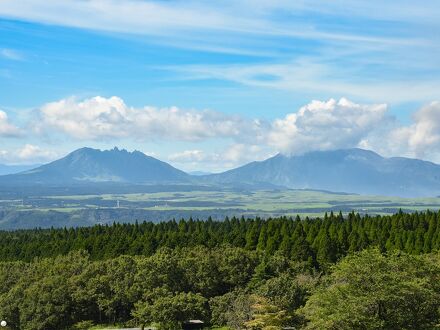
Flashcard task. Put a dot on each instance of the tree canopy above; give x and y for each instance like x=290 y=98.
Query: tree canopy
x=333 y=273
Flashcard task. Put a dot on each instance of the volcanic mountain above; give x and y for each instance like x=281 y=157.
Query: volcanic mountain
x=92 y=165
x=346 y=170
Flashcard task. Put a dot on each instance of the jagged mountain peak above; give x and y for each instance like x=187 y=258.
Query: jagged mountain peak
x=94 y=165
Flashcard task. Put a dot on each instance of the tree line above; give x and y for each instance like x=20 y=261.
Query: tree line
x=319 y=241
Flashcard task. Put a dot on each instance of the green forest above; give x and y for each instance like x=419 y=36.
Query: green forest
x=335 y=272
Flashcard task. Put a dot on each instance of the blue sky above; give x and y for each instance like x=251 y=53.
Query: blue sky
x=218 y=66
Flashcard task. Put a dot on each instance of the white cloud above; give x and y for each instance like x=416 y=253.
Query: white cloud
x=421 y=138
x=319 y=125
x=232 y=156
x=191 y=156
x=341 y=62
x=105 y=118
x=317 y=75
x=129 y=16
x=326 y=125
x=165 y=17
x=32 y=152
x=241 y=153
x=28 y=154
x=6 y=128
x=329 y=125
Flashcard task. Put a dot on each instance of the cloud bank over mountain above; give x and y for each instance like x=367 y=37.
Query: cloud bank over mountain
x=319 y=125
x=326 y=125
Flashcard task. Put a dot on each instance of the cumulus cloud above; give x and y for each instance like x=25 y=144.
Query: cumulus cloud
x=319 y=125
x=316 y=126
x=231 y=156
x=326 y=125
x=6 y=128
x=421 y=138
x=27 y=154
x=240 y=153
x=102 y=118
x=33 y=152
x=191 y=156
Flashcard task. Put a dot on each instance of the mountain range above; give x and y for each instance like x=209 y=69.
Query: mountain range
x=346 y=170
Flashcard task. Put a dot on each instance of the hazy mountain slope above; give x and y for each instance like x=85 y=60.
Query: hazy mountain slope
x=92 y=165
x=350 y=170
x=12 y=169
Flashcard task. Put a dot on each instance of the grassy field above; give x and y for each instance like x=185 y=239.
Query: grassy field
x=264 y=202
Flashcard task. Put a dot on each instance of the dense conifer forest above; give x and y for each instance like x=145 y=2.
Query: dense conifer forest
x=320 y=241
x=335 y=272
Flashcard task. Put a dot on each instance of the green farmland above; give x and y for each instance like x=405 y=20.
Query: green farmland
x=88 y=209
x=303 y=202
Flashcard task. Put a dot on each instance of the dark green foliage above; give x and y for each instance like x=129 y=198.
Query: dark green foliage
x=320 y=242
x=232 y=309
x=169 y=311
x=166 y=288
x=237 y=273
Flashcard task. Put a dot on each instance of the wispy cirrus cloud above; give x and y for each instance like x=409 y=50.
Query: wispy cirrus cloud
x=265 y=28
x=11 y=54
x=320 y=75
x=361 y=49
x=162 y=18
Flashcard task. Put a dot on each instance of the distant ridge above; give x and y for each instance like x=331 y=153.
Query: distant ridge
x=346 y=170
x=92 y=165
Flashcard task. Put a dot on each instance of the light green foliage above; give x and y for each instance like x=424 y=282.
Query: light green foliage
x=83 y=325
x=265 y=316
x=370 y=290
